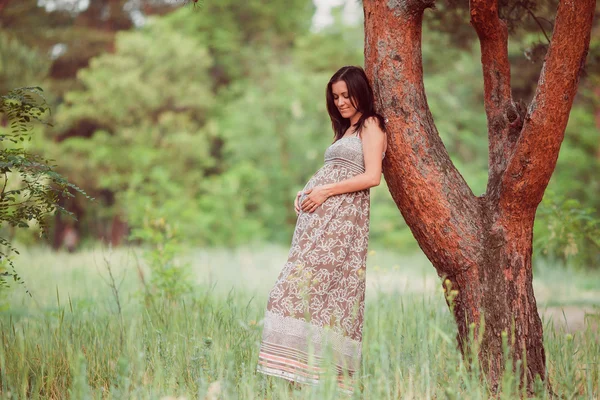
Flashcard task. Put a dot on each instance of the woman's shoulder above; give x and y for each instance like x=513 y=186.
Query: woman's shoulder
x=374 y=122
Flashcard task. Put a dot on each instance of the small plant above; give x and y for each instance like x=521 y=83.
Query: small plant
x=169 y=278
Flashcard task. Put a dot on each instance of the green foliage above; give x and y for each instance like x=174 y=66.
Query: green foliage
x=330 y=48
x=576 y=173
x=35 y=187
x=147 y=106
x=454 y=86
x=19 y=64
x=243 y=37
x=567 y=224
x=567 y=231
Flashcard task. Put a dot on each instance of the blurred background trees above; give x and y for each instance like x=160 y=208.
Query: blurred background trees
x=213 y=117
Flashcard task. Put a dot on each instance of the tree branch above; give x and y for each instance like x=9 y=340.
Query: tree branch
x=504 y=122
x=532 y=163
x=433 y=197
x=537 y=21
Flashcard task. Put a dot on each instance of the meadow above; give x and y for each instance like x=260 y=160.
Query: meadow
x=88 y=331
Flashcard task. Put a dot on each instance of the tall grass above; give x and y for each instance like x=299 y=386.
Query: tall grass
x=72 y=341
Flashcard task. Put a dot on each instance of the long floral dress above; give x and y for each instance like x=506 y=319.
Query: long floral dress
x=317 y=302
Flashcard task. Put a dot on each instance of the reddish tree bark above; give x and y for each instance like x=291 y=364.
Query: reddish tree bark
x=482 y=244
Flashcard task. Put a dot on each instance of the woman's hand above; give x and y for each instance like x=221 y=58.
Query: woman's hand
x=296 y=205
x=315 y=197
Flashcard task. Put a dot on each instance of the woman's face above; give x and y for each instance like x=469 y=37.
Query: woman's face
x=342 y=99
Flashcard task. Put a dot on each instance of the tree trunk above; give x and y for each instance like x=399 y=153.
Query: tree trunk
x=118 y=230
x=480 y=245
x=3 y=4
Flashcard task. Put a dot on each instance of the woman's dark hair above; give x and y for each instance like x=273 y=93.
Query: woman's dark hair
x=359 y=90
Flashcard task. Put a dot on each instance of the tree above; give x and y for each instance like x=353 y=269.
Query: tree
x=142 y=131
x=481 y=246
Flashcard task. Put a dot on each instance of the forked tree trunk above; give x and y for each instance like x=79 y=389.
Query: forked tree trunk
x=481 y=244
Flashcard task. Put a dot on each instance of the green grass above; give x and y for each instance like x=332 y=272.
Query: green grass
x=70 y=341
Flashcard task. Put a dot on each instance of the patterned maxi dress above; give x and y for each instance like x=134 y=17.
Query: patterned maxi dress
x=317 y=302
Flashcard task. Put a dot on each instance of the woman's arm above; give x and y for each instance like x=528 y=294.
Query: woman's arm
x=373 y=141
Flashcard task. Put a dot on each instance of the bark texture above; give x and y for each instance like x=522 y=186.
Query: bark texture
x=482 y=245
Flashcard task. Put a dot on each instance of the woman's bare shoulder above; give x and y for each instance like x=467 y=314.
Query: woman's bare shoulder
x=372 y=125
x=372 y=121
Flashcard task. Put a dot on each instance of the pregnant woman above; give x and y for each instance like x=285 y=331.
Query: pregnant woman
x=317 y=304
